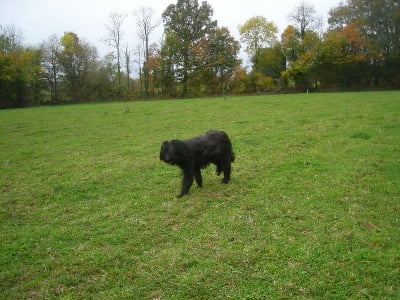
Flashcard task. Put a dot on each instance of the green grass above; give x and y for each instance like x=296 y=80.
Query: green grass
x=87 y=210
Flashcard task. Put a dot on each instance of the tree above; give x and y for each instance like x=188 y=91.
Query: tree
x=186 y=23
x=127 y=66
x=51 y=50
x=223 y=50
x=216 y=60
x=270 y=62
x=154 y=69
x=340 y=16
x=167 y=65
x=300 y=59
x=258 y=33
x=305 y=18
x=145 y=27
x=20 y=70
x=103 y=79
x=343 y=61
x=10 y=39
x=79 y=63
x=290 y=44
x=240 y=81
x=378 y=22
x=114 y=38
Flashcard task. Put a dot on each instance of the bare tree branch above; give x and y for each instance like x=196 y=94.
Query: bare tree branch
x=114 y=38
x=145 y=27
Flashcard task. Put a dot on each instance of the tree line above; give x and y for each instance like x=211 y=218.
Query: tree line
x=196 y=57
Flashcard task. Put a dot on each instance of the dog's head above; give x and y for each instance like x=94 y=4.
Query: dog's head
x=173 y=152
x=164 y=156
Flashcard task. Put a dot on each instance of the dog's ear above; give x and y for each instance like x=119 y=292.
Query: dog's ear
x=164 y=150
x=184 y=152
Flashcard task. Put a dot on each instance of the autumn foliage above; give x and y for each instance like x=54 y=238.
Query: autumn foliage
x=196 y=57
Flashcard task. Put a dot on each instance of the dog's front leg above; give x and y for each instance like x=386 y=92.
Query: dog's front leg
x=187 y=181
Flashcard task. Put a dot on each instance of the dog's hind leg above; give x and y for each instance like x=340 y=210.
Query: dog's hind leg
x=199 y=179
x=187 y=181
x=218 y=170
x=226 y=166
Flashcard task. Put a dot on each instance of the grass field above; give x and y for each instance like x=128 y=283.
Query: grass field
x=312 y=211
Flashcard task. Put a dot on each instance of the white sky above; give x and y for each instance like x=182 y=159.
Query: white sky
x=38 y=19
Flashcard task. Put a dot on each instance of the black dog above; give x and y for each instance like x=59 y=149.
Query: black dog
x=197 y=153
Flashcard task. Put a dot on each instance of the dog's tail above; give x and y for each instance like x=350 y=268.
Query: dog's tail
x=232 y=156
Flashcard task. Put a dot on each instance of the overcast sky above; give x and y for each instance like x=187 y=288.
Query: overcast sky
x=38 y=19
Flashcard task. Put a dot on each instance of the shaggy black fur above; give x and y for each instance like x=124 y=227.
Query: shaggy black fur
x=196 y=153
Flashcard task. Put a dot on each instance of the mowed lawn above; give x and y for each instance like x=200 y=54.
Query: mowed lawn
x=313 y=209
